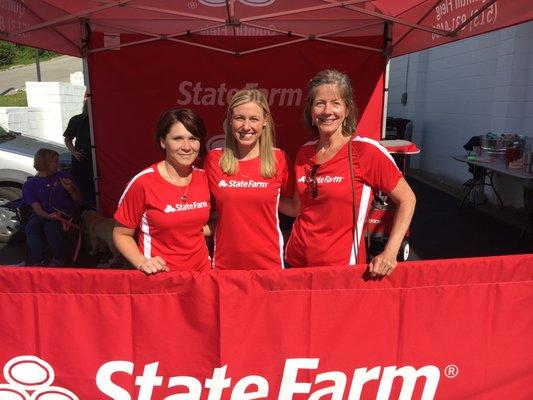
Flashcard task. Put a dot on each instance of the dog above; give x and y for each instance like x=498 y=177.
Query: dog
x=100 y=232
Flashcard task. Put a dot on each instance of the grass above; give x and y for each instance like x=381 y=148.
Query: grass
x=26 y=55
x=17 y=99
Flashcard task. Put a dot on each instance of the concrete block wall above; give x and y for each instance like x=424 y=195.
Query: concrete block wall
x=464 y=89
x=77 y=78
x=59 y=102
x=25 y=120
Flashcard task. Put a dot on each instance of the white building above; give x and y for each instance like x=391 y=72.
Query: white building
x=467 y=88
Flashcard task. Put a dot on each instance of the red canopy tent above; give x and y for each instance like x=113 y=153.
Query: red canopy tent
x=436 y=329
x=143 y=56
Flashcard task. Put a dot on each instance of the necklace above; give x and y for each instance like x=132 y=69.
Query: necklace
x=183 y=194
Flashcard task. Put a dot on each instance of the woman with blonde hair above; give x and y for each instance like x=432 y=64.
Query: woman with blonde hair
x=247 y=178
x=51 y=194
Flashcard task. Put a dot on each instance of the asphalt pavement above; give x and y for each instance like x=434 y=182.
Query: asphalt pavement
x=55 y=70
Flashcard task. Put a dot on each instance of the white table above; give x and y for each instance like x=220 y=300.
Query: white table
x=485 y=170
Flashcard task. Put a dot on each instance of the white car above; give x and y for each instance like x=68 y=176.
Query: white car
x=16 y=166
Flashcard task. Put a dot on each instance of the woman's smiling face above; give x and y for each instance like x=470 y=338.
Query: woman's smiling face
x=247 y=123
x=328 y=110
x=181 y=146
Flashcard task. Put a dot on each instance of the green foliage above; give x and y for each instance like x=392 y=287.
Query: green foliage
x=16 y=54
x=18 y=99
x=8 y=52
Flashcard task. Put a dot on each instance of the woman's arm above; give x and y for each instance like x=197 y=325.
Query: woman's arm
x=289 y=206
x=38 y=209
x=405 y=200
x=125 y=243
x=71 y=189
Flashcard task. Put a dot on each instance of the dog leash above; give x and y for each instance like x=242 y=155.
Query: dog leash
x=66 y=224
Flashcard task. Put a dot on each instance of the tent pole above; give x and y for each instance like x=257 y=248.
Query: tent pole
x=84 y=25
x=387 y=47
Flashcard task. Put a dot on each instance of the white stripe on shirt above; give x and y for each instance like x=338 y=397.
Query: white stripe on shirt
x=358 y=233
x=147 y=238
x=378 y=146
x=144 y=172
x=280 y=234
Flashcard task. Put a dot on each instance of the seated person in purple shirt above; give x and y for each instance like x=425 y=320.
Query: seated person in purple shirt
x=51 y=194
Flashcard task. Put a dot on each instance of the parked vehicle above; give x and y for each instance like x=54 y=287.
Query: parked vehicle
x=16 y=166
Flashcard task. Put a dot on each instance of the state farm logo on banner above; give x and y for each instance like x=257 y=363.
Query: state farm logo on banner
x=222 y=3
x=216 y=142
x=30 y=378
x=293 y=383
x=199 y=94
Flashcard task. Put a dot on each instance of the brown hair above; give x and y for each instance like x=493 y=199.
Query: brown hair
x=342 y=81
x=42 y=159
x=190 y=120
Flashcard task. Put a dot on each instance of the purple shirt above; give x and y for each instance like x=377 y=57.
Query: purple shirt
x=49 y=193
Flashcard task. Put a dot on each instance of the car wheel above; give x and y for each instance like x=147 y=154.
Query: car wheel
x=9 y=219
x=403 y=254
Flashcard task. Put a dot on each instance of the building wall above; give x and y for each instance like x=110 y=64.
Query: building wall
x=50 y=107
x=21 y=119
x=59 y=101
x=471 y=87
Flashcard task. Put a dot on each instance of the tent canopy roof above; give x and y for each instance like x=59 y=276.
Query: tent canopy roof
x=411 y=25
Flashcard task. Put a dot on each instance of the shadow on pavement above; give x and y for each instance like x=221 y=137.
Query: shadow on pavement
x=440 y=229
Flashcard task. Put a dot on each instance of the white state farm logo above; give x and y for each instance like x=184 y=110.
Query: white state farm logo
x=322 y=179
x=253 y=3
x=30 y=378
x=195 y=205
x=293 y=382
x=199 y=95
x=242 y=184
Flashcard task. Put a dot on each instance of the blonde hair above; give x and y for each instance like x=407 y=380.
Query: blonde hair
x=42 y=159
x=229 y=162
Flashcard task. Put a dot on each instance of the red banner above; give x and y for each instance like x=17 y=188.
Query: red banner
x=445 y=329
x=133 y=85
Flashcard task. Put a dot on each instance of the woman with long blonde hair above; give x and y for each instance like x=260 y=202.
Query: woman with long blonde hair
x=247 y=178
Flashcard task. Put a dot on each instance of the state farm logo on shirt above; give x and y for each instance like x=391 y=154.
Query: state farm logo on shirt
x=250 y=183
x=322 y=179
x=195 y=205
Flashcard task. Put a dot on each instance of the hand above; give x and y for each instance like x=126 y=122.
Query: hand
x=381 y=265
x=55 y=215
x=67 y=184
x=153 y=266
x=77 y=154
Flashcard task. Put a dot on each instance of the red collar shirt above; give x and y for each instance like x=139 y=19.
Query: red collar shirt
x=167 y=226
x=247 y=234
x=324 y=232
